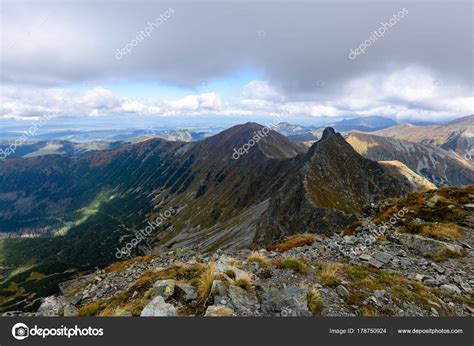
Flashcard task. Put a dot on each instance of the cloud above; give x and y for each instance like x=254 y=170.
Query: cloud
x=258 y=89
x=54 y=42
x=407 y=94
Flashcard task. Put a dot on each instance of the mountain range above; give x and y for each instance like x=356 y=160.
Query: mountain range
x=76 y=212
x=62 y=214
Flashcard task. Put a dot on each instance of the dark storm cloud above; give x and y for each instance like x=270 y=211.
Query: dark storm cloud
x=295 y=44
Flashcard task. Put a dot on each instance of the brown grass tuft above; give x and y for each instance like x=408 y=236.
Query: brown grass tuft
x=258 y=258
x=329 y=274
x=315 y=302
x=245 y=281
x=293 y=241
x=204 y=283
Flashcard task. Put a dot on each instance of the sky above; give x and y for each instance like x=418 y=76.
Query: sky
x=243 y=60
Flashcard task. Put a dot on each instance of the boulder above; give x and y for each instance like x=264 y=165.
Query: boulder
x=244 y=303
x=342 y=291
x=218 y=288
x=185 y=292
x=425 y=246
x=219 y=311
x=52 y=306
x=222 y=268
x=163 y=288
x=158 y=307
x=383 y=257
x=291 y=301
x=450 y=288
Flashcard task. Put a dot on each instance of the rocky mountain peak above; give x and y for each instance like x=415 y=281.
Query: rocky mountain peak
x=328 y=131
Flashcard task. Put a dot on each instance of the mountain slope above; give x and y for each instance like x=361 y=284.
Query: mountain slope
x=86 y=208
x=332 y=183
x=437 y=165
x=457 y=135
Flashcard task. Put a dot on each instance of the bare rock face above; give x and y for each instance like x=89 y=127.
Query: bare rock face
x=331 y=184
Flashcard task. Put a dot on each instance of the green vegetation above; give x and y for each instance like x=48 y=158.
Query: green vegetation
x=292 y=263
x=329 y=274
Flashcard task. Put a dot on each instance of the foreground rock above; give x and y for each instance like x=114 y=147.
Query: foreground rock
x=158 y=307
x=219 y=311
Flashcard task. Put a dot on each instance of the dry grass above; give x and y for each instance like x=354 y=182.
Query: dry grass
x=441 y=231
x=363 y=280
x=329 y=274
x=351 y=230
x=133 y=302
x=258 y=258
x=315 y=302
x=446 y=254
x=230 y=273
x=293 y=241
x=232 y=262
x=292 y=263
x=245 y=281
x=204 y=283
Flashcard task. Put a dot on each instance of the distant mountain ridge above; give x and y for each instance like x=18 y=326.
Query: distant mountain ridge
x=456 y=135
x=437 y=165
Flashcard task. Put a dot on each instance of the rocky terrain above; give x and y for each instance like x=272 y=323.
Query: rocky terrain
x=409 y=256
